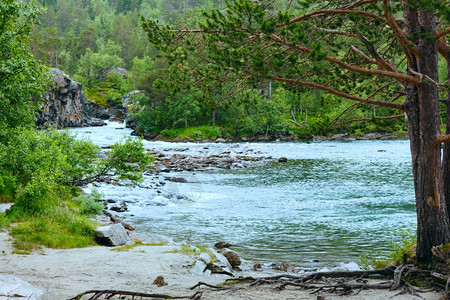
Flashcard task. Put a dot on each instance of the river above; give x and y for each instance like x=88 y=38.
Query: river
x=330 y=202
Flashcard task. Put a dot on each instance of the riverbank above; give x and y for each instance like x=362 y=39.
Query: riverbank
x=200 y=137
x=67 y=273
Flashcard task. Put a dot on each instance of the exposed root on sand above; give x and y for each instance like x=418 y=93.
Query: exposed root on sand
x=341 y=283
x=109 y=294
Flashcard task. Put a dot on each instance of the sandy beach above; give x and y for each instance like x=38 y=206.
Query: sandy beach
x=67 y=273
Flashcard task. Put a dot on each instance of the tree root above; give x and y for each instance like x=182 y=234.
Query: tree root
x=208 y=285
x=341 y=283
x=346 y=283
x=108 y=294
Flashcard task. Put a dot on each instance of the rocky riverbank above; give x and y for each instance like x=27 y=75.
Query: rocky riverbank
x=147 y=268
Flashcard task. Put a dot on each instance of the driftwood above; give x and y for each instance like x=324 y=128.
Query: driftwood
x=108 y=294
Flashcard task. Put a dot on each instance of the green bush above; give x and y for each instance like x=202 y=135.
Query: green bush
x=39 y=171
x=90 y=204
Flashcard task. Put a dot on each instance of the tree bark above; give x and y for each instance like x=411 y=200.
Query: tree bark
x=446 y=152
x=422 y=109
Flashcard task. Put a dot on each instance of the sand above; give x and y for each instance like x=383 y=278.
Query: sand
x=67 y=273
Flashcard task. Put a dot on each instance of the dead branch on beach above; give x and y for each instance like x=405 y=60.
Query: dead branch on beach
x=108 y=294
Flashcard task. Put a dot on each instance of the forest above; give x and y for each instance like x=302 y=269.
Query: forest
x=231 y=69
x=102 y=45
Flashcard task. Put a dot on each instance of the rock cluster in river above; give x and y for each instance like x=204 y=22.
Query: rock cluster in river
x=182 y=162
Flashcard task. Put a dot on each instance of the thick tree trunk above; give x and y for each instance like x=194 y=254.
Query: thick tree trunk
x=423 y=122
x=446 y=152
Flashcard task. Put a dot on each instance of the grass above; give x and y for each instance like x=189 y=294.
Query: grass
x=400 y=252
x=192 y=250
x=137 y=243
x=21 y=252
x=60 y=229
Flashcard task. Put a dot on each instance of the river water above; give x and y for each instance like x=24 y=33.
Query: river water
x=331 y=201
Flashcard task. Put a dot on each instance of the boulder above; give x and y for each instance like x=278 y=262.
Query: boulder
x=111 y=235
x=176 y=179
x=117 y=113
x=233 y=258
x=126 y=99
x=122 y=208
x=159 y=281
x=201 y=265
x=222 y=263
x=282 y=159
x=14 y=288
x=221 y=245
x=119 y=71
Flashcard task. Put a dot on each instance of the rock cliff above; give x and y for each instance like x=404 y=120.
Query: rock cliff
x=65 y=104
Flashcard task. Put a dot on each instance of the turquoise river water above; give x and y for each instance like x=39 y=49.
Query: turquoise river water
x=331 y=201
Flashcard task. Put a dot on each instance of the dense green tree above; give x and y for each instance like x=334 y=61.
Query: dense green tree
x=98 y=64
x=21 y=75
x=379 y=53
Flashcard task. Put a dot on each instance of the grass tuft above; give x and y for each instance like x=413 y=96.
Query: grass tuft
x=138 y=243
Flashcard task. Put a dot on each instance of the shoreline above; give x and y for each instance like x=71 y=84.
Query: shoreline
x=65 y=273
x=340 y=137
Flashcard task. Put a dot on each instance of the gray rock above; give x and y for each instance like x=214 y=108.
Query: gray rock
x=14 y=288
x=119 y=71
x=282 y=159
x=111 y=235
x=222 y=262
x=221 y=245
x=199 y=268
x=232 y=257
x=64 y=103
x=126 y=99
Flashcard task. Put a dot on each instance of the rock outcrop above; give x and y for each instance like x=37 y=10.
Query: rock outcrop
x=64 y=104
x=111 y=235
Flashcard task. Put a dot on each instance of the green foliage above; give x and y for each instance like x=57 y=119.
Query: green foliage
x=58 y=229
x=90 y=205
x=194 y=133
x=38 y=169
x=400 y=252
x=96 y=65
x=22 y=77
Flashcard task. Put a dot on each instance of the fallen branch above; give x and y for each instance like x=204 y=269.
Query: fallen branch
x=110 y=293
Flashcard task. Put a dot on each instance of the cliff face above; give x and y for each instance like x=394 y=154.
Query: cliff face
x=65 y=104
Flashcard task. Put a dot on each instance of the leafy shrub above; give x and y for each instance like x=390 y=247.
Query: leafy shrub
x=90 y=204
x=39 y=171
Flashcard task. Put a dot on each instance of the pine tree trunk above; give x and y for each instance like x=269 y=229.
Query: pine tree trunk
x=423 y=122
x=446 y=152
